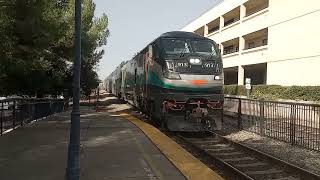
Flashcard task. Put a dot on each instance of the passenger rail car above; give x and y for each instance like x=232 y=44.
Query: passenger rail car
x=176 y=80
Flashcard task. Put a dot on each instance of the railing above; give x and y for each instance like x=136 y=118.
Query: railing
x=17 y=112
x=295 y=123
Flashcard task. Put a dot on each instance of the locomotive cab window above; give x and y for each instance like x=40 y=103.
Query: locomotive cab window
x=175 y=46
x=182 y=47
x=203 y=47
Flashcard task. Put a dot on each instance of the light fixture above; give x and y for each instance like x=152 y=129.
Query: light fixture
x=195 y=61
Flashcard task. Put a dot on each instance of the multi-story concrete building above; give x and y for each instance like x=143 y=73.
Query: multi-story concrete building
x=269 y=41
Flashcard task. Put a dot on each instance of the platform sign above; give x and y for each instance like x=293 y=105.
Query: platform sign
x=248 y=80
x=248 y=83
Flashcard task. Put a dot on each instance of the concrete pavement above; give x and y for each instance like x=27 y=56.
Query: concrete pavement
x=112 y=148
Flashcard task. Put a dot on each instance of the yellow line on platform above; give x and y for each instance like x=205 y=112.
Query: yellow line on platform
x=189 y=166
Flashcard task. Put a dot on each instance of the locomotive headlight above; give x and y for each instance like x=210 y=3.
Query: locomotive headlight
x=217 y=77
x=195 y=61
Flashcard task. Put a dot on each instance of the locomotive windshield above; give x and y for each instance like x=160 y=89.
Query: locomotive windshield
x=175 y=46
x=178 y=47
x=204 y=47
x=191 y=56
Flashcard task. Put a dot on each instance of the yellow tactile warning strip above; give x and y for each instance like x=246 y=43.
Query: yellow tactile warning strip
x=189 y=166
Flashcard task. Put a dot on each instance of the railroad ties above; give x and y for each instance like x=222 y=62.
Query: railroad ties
x=240 y=162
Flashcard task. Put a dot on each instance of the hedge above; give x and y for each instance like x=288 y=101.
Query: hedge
x=273 y=92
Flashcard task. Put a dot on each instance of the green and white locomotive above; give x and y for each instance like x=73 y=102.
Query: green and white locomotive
x=177 y=80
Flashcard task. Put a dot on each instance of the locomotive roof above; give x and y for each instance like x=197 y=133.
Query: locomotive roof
x=181 y=34
x=171 y=34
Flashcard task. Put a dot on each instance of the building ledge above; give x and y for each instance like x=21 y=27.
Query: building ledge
x=263 y=11
x=230 y=55
x=260 y=48
x=230 y=25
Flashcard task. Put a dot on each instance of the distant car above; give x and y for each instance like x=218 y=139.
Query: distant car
x=13 y=97
x=5 y=105
x=10 y=103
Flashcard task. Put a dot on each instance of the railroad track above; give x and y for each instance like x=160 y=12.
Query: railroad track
x=238 y=161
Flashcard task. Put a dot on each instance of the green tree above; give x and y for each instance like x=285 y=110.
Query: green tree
x=36 y=47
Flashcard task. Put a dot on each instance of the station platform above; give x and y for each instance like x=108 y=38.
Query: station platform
x=114 y=145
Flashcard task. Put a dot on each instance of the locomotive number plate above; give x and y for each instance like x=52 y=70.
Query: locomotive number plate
x=208 y=65
x=181 y=64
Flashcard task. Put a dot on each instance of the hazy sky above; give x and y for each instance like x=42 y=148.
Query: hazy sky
x=135 y=23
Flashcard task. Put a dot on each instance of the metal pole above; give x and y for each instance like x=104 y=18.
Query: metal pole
x=293 y=109
x=14 y=114
x=262 y=118
x=1 y=116
x=240 y=127
x=73 y=166
x=97 y=101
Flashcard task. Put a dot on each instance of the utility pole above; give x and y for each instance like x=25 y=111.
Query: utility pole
x=73 y=164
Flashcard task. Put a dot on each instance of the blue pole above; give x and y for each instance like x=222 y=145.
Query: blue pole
x=73 y=165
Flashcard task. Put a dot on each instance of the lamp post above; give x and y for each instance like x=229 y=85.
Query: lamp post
x=73 y=164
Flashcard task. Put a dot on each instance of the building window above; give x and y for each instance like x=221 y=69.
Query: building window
x=252 y=45
x=264 y=42
x=237 y=49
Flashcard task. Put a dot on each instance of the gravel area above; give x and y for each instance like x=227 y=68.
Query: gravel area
x=304 y=158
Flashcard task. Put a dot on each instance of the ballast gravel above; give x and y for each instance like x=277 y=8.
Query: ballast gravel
x=304 y=158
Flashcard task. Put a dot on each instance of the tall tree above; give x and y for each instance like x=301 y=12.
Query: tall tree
x=36 y=47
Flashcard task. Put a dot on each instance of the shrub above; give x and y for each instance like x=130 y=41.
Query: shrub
x=273 y=92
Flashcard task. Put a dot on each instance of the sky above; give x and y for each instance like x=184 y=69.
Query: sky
x=135 y=23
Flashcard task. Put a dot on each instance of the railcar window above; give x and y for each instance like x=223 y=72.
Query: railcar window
x=204 y=47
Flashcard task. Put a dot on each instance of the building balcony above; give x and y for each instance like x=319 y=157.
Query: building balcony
x=256 y=39
x=258 y=20
x=231 y=60
x=255 y=6
x=257 y=14
x=230 y=32
x=256 y=17
x=213 y=26
x=230 y=46
x=255 y=55
x=231 y=17
x=230 y=54
x=257 y=49
x=200 y=31
x=246 y=57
